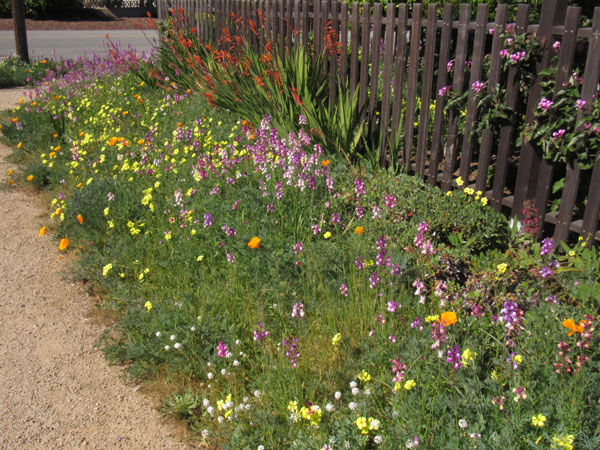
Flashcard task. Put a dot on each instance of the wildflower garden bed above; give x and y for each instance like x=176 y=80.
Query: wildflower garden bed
x=292 y=299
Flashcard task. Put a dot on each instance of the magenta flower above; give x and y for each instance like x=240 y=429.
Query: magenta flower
x=545 y=104
x=477 y=86
x=222 y=350
x=558 y=134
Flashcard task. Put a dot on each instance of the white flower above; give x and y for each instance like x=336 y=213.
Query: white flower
x=173 y=337
x=462 y=423
x=245 y=399
x=206 y=403
x=208 y=364
x=167 y=348
x=353 y=384
x=355 y=391
x=475 y=435
x=236 y=363
x=338 y=395
x=374 y=424
x=205 y=433
x=367 y=391
x=329 y=407
x=210 y=410
x=158 y=334
x=209 y=375
x=220 y=419
x=257 y=393
x=260 y=447
x=377 y=439
x=177 y=346
x=346 y=444
x=352 y=406
x=192 y=328
x=223 y=372
x=238 y=342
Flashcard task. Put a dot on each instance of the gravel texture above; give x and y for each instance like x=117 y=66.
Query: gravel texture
x=56 y=388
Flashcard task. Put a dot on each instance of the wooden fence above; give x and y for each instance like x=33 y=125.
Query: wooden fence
x=406 y=102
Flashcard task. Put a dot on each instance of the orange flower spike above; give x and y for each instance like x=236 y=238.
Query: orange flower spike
x=448 y=318
x=79 y=218
x=43 y=231
x=64 y=243
x=254 y=242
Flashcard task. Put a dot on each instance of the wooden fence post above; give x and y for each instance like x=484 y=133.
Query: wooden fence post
x=18 y=12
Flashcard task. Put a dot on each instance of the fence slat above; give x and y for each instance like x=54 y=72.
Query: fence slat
x=374 y=78
x=364 y=62
x=414 y=61
x=316 y=26
x=354 y=22
x=565 y=63
x=485 y=151
x=305 y=22
x=400 y=69
x=388 y=55
x=529 y=157
x=440 y=101
x=506 y=131
x=476 y=69
x=572 y=178
x=428 y=68
x=344 y=45
x=450 y=149
x=333 y=56
x=297 y=24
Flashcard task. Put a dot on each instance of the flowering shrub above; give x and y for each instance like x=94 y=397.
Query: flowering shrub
x=294 y=303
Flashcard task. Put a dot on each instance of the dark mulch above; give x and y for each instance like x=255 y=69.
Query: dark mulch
x=125 y=23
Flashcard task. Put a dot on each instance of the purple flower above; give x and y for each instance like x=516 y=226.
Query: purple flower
x=230 y=258
x=222 y=350
x=398 y=369
x=374 y=280
x=302 y=119
x=344 y=290
x=291 y=350
x=111 y=197
x=298 y=247
x=580 y=104
x=547 y=247
x=454 y=357
x=208 y=220
x=545 y=104
x=359 y=187
x=393 y=306
x=260 y=333
x=298 y=310
x=444 y=91
x=390 y=201
x=558 y=134
x=417 y=323
x=477 y=86
x=546 y=272
x=556 y=46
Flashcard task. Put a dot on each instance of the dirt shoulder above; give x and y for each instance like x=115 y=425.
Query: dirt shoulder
x=57 y=390
x=126 y=23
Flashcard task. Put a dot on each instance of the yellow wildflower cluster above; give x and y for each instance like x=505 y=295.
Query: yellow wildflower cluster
x=365 y=425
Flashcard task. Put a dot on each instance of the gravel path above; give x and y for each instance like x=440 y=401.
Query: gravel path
x=56 y=389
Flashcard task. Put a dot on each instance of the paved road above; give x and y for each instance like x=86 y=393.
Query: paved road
x=74 y=43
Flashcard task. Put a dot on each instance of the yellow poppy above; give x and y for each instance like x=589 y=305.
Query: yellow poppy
x=43 y=231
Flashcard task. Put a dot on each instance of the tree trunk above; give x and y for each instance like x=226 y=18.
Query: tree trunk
x=18 y=13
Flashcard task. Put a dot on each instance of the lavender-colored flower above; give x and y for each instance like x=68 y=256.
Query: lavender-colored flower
x=546 y=272
x=417 y=323
x=450 y=65
x=438 y=334
x=360 y=212
x=298 y=247
x=260 y=333
x=291 y=350
x=344 y=290
x=359 y=187
x=454 y=357
x=302 y=119
x=390 y=201
x=111 y=197
x=208 y=220
x=558 y=134
x=376 y=212
x=230 y=258
x=511 y=315
x=393 y=306
x=316 y=229
x=545 y=104
x=580 y=104
x=398 y=369
x=222 y=350
x=444 y=91
x=556 y=46
x=359 y=263
x=374 y=280
x=477 y=86
x=298 y=310
x=547 y=247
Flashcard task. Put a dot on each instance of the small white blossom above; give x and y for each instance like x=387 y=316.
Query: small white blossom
x=355 y=391
x=367 y=391
x=338 y=395
x=208 y=364
x=352 y=406
x=462 y=423
x=167 y=348
x=260 y=447
x=210 y=410
x=158 y=334
x=205 y=433
x=353 y=384
x=377 y=439
x=192 y=328
x=173 y=337
x=238 y=342
x=209 y=375
x=206 y=403
x=177 y=346
x=220 y=419
x=329 y=407
x=257 y=393
x=236 y=363
x=223 y=372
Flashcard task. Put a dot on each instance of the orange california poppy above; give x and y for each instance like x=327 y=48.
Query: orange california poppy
x=254 y=242
x=325 y=162
x=112 y=141
x=571 y=325
x=448 y=318
x=64 y=243
x=43 y=231
x=79 y=218
x=359 y=230
x=30 y=178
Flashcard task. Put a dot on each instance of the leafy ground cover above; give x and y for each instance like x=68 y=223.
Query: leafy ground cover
x=292 y=300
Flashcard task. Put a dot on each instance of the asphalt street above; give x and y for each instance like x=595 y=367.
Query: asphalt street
x=74 y=43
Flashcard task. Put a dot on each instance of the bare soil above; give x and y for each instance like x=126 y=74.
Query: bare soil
x=125 y=23
x=56 y=389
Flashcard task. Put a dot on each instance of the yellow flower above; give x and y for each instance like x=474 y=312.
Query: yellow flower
x=432 y=318
x=484 y=201
x=43 y=231
x=200 y=258
x=469 y=191
x=106 y=269
x=501 y=268
x=336 y=339
x=254 y=242
x=538 y=420
x=518 y=359
x=410 y=384
x=563 y=441
x=148 y=305
x=364 y=376
x=327 y=235
x=459 y=181
x=19 y=145
x=293 y=406
x=361 y=424
x=10 y=172
x=467 y=357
